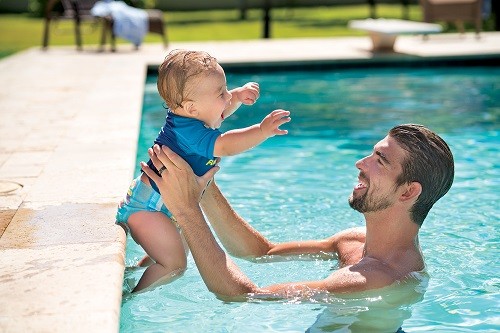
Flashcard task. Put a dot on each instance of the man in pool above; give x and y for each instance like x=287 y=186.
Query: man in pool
x=407 y=172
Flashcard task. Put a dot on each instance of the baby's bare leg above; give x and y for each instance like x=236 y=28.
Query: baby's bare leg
x=159 y=237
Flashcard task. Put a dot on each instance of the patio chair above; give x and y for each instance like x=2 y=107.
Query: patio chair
x=79 y=11
x=456 y=11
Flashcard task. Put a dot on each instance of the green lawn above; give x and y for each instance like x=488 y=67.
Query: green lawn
x=20 y=31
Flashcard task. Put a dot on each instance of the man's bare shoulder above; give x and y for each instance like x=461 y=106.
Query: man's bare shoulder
x=366 y=274
x=357 y=234
x=349 y=245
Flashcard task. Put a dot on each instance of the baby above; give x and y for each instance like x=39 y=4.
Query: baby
x=193 y=86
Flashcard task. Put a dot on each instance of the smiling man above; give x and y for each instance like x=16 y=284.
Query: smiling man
x=398 y=183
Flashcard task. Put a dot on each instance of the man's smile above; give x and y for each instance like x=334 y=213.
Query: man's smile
x=362 y=184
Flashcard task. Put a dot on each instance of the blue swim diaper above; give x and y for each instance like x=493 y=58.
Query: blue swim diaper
x=140 y=197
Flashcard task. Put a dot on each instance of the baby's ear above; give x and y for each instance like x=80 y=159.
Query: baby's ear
x=190 y=108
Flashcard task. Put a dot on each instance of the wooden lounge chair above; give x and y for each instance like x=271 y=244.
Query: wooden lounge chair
x=79 y=11
x=456 y=11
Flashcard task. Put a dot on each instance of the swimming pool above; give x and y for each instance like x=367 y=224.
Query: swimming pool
x=296 y=187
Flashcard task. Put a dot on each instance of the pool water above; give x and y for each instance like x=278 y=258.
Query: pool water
x=296 y=187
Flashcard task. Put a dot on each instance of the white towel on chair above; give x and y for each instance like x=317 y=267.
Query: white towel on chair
x=128 y=22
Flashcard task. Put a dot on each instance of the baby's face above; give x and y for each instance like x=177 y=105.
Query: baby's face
x=210 y=97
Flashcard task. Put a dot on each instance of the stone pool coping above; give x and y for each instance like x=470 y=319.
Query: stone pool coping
x=69 y=126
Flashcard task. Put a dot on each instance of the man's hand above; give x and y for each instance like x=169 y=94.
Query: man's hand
x=271 y=123
x=247 y=94
x=179 y=186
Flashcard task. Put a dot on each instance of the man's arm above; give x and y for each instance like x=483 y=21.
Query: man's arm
x=238 y=140
x=366 y=275
x=238 y=237
x=219 y=272
x=242 y=240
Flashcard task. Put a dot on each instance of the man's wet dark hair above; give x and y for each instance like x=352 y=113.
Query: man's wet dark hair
x=428 y=161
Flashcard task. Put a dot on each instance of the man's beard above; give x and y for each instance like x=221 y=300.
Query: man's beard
x=365 y=204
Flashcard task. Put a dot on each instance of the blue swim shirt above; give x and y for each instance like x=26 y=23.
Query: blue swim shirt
x=191 y=140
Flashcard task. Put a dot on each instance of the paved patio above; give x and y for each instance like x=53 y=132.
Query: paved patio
x=69 y=125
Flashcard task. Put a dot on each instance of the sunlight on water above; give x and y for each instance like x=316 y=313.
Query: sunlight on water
x=296 y=187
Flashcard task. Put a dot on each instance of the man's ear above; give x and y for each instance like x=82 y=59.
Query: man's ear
x=190 y=108
x=412 y=191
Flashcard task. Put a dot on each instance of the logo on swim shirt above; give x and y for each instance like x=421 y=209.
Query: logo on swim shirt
x=211 y=162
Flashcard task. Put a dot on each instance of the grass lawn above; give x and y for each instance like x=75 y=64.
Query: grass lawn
x=21 y=31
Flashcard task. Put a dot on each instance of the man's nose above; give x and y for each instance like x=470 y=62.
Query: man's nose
x=360 y=163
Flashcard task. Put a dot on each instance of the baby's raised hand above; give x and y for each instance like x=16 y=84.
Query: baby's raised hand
x=247 y=94
x=271 y=123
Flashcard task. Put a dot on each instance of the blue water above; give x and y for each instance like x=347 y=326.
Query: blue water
x=296 y=187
